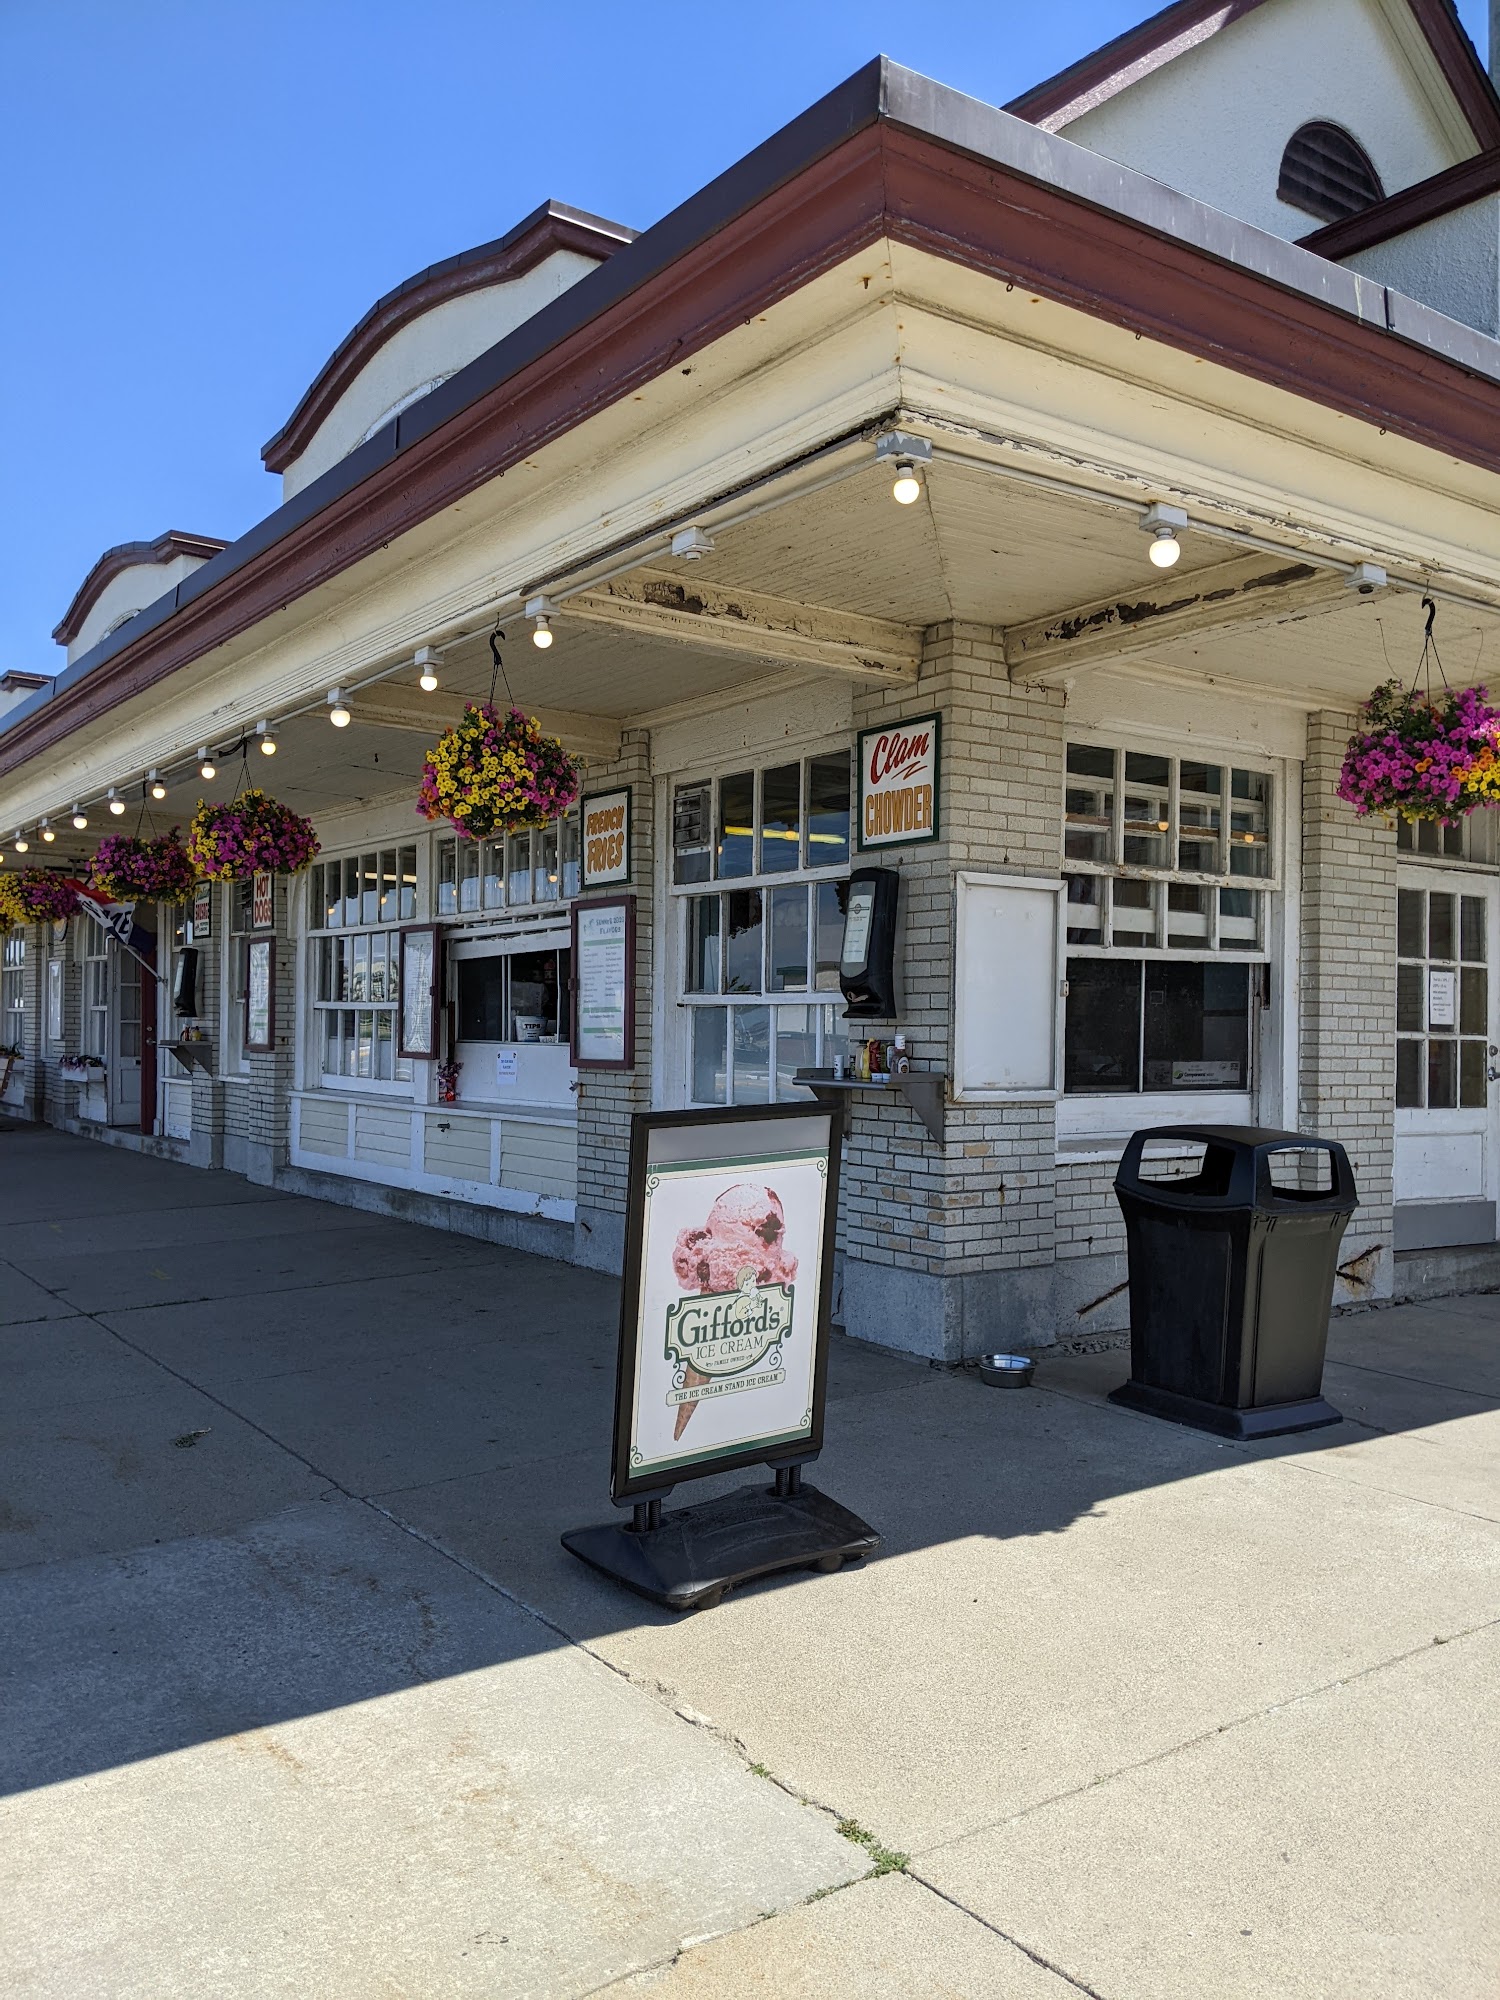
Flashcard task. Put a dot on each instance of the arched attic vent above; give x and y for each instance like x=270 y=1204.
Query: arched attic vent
x=1327 y=173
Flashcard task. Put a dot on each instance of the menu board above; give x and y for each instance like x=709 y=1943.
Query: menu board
x=260 y=998
x=725 y=1307
x=418 y=994
x=604 y=984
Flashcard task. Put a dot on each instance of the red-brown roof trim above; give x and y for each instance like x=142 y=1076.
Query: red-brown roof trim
x=548 y=229
x=1425 y=201
x=129 y=555
x=1154 y=42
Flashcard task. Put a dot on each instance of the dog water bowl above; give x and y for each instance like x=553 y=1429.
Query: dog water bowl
x=1006 y=1371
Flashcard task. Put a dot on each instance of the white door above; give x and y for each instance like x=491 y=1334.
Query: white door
x=1446 y=1141
x=124 y=1058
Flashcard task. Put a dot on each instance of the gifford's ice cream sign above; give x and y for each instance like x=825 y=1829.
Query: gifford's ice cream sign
x=728 y=1317
x=898 y=783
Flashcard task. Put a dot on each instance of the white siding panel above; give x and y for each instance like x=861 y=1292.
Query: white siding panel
x=458 y=1148
x=323 y=1126
x=382 y=1133
x=539 y=1159
x=177 y=1110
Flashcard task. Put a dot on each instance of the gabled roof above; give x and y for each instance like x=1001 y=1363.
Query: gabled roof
x=1455 y=187
x=1155 y=42
x=547 y=229
x=129 y=555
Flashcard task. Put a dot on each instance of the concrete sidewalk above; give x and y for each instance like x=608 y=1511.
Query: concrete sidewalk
x=302 y=1697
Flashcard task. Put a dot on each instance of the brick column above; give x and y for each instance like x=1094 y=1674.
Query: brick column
x=1347 y=1029
x=607 y=1099
x=267 y=1099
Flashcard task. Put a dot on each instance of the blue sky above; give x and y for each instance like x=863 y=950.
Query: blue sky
x=202 y=198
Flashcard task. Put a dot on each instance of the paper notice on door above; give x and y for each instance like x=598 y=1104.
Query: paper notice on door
x=1442 y=999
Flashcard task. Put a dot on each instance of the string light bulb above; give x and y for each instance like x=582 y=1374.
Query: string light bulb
x=116 y=803
x=338 y=708
x=1162 y=524
x=541 y=611
x=427 y=679
x=266 y=739
x=46 y=832
x=1165 y=548
x=207 y=768
x=157 y=788
x=22 y=843
x=907 y=486
x=80 y=818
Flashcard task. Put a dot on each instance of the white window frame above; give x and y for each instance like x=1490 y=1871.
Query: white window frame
x=324 y=939
x=13 y=990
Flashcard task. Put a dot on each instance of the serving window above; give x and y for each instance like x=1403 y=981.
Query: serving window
x=521 y=996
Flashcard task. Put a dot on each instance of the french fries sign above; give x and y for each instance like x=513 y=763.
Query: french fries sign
x=898 y=783
x=605 y=829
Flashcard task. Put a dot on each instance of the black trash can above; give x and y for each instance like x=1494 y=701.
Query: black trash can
x=1233 y=1249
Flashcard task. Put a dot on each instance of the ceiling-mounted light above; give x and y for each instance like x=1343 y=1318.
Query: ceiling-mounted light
x=1367 y=578
x=905 y=454
x=80 y=818
x=22 y=843
x=427 y=664
x=266 y=740
x=338 y=708
x=691 y=544
x=155 y=786
x=116 y=803
x=541 y=611
x=46 y=832
x=207 y=768
x=1162 y=523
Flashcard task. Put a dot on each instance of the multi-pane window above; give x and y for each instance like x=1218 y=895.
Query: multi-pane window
x=359 y=903
x=12 y=996
x=1170 y=867
x=519 y=872
x=1471 y=839
x=518 y=996
x=759 y=952
x=93 y=955
x=1442 y=1001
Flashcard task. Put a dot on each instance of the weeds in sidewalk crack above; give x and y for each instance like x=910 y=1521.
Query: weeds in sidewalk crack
x=884 y=1860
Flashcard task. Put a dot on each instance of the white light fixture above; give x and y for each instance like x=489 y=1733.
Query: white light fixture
x=207 y=768
x=157 y=788
x=338 y=708
x=427 y=664
x=905 y=454
x=541 y=611
x=691 y=544
x=1367 y=578
x=80 y=818
x=46 y=832
x=116 y=803
x=266 y=739
x=1162 y=523
x=22 y=843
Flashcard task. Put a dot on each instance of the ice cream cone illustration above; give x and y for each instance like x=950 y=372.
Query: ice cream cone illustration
x=743 y=1241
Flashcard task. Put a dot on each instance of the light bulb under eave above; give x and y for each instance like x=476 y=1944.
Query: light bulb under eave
x=22 y=843
x=47 y=834
x=427 y=681
x=207 y=768
x=1165 y=547
x=541 y=634
x=907 y=487
x=158 y=789
x=339 y=716
x=80 y=818
x=116 y=805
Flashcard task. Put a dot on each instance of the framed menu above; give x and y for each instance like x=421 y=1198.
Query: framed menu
x=260 y=994
x=420 y=960
x=603 y=984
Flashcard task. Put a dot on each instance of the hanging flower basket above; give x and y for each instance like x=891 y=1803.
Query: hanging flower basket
x=34 y=896
x=491 y=774
x=1423 y=757
x=252 y=835
x=126 y=869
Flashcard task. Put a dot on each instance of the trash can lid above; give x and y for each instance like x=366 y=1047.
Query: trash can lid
x=1235 y=1171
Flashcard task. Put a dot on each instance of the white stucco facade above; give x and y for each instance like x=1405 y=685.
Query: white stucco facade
x=131 y=591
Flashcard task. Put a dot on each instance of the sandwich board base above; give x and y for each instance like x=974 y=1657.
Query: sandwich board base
x=688 y=1559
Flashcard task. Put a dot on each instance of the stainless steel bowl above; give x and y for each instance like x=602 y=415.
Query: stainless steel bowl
x=1009 y=1371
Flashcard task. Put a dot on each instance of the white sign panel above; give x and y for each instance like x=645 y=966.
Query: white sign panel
x=604 y=822
x=507 y=1068
x=1442 y=999
x=604 y=979
x=898 y=783
x=1008 y=980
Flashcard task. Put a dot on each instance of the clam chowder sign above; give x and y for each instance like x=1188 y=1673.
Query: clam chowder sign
x=898 y=783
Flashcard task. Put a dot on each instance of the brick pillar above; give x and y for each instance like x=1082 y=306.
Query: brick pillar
x=267 y=1098
x=1347 y=1056
x=607 y=1099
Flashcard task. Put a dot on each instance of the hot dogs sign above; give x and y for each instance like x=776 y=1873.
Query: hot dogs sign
x=898 y=783
x=723 y=1351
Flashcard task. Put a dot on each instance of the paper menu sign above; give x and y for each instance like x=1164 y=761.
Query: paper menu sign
x=1442 y=999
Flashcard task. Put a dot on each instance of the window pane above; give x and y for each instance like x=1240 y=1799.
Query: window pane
x=737 y=824
x=796 y=1047
x=1085 y=909
x=692 y=852
x=518 y=868
x=1442 y=1075
x=1089 y=760
x=742 y=945
x=447 y=878
x=359 y=974
x=1088 y=809
x=1197 y=1026
x=385 y=1047
x=781 y=819
x=751 y=1030
x=1411 y=998
x=407 y=862
x=332 y=1045
x=788 y=963
x=703 y=944
x=1403 y=836
x=390 y=898
x=468 y=875
x=1473 y=1000
x=1147 y=804
x=1473 y=1085
x=370 y=882
x=1249 y=823
x=1472 y=930
x=481 y=999
x=1103 y=1025
x=1132 y=912
x=1239 y=919
x=828 y=917
x=545 y=844
x=1188 y=914
x=492 y=875
x=1409 y=1076
x=351 y=892
x=828 y=810
x=365 y=1045
x=1411 y=924
x=1199 y=812
x=333 y=892
x=569 y=856
x=1441 y=936
x=377 y=967
x=534 y=995
x=710 y=1025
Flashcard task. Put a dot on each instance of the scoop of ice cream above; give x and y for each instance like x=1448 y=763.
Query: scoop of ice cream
x=745 y=1231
